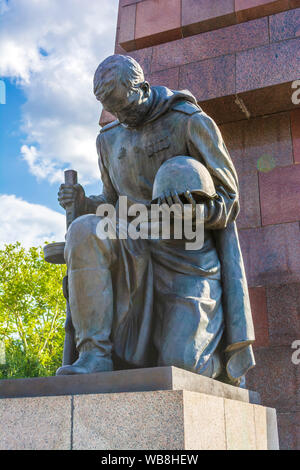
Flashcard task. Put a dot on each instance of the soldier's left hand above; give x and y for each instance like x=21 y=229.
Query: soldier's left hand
x=173 y=197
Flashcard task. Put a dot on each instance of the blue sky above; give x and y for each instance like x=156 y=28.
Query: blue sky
x=49 y=52
x=15 y=177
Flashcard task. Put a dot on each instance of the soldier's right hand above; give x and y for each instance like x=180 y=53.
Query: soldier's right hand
x=68 y=194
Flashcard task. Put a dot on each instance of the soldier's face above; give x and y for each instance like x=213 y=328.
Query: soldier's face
x=128 y=105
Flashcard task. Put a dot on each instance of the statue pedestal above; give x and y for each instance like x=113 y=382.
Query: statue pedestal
x=163 y=408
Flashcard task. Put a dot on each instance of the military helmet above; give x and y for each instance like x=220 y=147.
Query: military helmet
x=183 y=174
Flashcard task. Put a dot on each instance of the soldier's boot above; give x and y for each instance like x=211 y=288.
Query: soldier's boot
x=89 y=362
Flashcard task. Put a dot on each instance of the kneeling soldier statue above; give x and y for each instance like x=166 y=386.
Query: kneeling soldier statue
x=152 y=302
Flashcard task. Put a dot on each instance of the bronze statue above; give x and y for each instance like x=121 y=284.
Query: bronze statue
x=144 y=303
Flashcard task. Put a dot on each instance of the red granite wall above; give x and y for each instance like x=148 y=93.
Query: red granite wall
x=240 y=58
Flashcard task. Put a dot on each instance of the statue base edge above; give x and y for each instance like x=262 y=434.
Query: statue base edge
x=130 y=380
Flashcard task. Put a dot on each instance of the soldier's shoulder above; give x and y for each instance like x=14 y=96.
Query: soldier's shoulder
x=202 y=119
x=106 y=133
x=186 y=107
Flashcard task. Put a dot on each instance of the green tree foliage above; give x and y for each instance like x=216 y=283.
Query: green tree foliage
x=32 y=313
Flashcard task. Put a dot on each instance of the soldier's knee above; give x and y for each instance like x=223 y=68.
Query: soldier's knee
x=80 y=231
x=82 y=239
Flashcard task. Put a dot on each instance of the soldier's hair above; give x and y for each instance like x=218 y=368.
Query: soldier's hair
x=117 y=69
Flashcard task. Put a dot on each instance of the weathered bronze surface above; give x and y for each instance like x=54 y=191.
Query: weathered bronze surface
x=152 y=302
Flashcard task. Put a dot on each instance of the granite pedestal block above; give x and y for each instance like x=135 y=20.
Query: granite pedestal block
x=151 y=409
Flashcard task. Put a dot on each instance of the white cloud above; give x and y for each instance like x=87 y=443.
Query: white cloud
x=52 y=48
x=30 y=224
